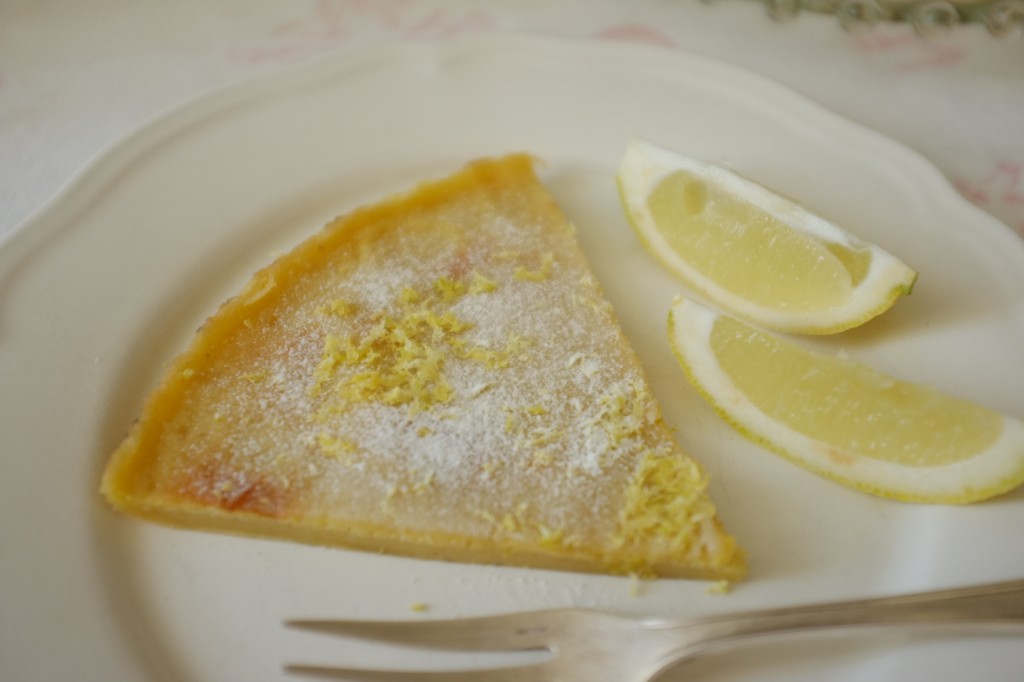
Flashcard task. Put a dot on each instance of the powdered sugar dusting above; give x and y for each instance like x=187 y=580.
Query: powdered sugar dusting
x=535 y=410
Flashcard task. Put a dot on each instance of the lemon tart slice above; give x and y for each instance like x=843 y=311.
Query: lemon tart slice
x=436 y=375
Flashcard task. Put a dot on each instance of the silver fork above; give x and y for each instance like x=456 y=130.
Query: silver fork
x=592 y=646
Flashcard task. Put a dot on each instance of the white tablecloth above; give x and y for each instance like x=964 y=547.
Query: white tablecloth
x=75 y=77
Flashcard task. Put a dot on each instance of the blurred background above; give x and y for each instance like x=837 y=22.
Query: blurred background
x=945 y=78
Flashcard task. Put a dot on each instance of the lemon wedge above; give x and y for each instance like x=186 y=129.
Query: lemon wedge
x=751 y=252
x=843 y=420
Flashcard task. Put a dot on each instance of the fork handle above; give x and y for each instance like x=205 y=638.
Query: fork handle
x=997 y=604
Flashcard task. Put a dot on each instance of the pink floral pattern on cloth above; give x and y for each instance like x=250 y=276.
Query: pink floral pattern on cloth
x=636 y=32
x=1000 y=191
x=910 y=52
x=331 y=23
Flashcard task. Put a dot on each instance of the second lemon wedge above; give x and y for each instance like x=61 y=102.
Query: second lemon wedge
x=844 y=420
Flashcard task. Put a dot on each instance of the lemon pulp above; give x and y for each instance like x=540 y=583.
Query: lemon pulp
x=850 y=406
x=750 y=252
x=843 y=420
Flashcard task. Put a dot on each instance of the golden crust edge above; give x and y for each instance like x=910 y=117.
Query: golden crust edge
x=730 y=562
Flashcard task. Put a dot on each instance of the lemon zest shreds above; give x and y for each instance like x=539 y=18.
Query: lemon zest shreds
x=334 y=447
x=625 y=410
x=720 y=587
x=402 y=356
x=479 y=284
x=339 y=307
x=665 y=501
x=449 y=289
x=551 y=538
x=263 y=283
x=540 y=274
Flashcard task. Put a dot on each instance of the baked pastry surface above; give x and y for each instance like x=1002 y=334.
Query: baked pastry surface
x=435 y=375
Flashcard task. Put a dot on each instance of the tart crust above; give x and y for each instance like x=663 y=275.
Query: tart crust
x=435 y=375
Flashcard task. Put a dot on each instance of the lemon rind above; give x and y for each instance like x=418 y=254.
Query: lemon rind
x=996 y=470
x=887 y=280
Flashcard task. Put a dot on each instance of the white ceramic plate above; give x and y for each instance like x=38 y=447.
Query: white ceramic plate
x=107 y=283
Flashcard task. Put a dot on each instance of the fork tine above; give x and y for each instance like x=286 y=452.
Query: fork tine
x=531 y=673
x=508 y=632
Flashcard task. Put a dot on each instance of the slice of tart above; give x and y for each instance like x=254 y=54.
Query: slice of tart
x=436 y=375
